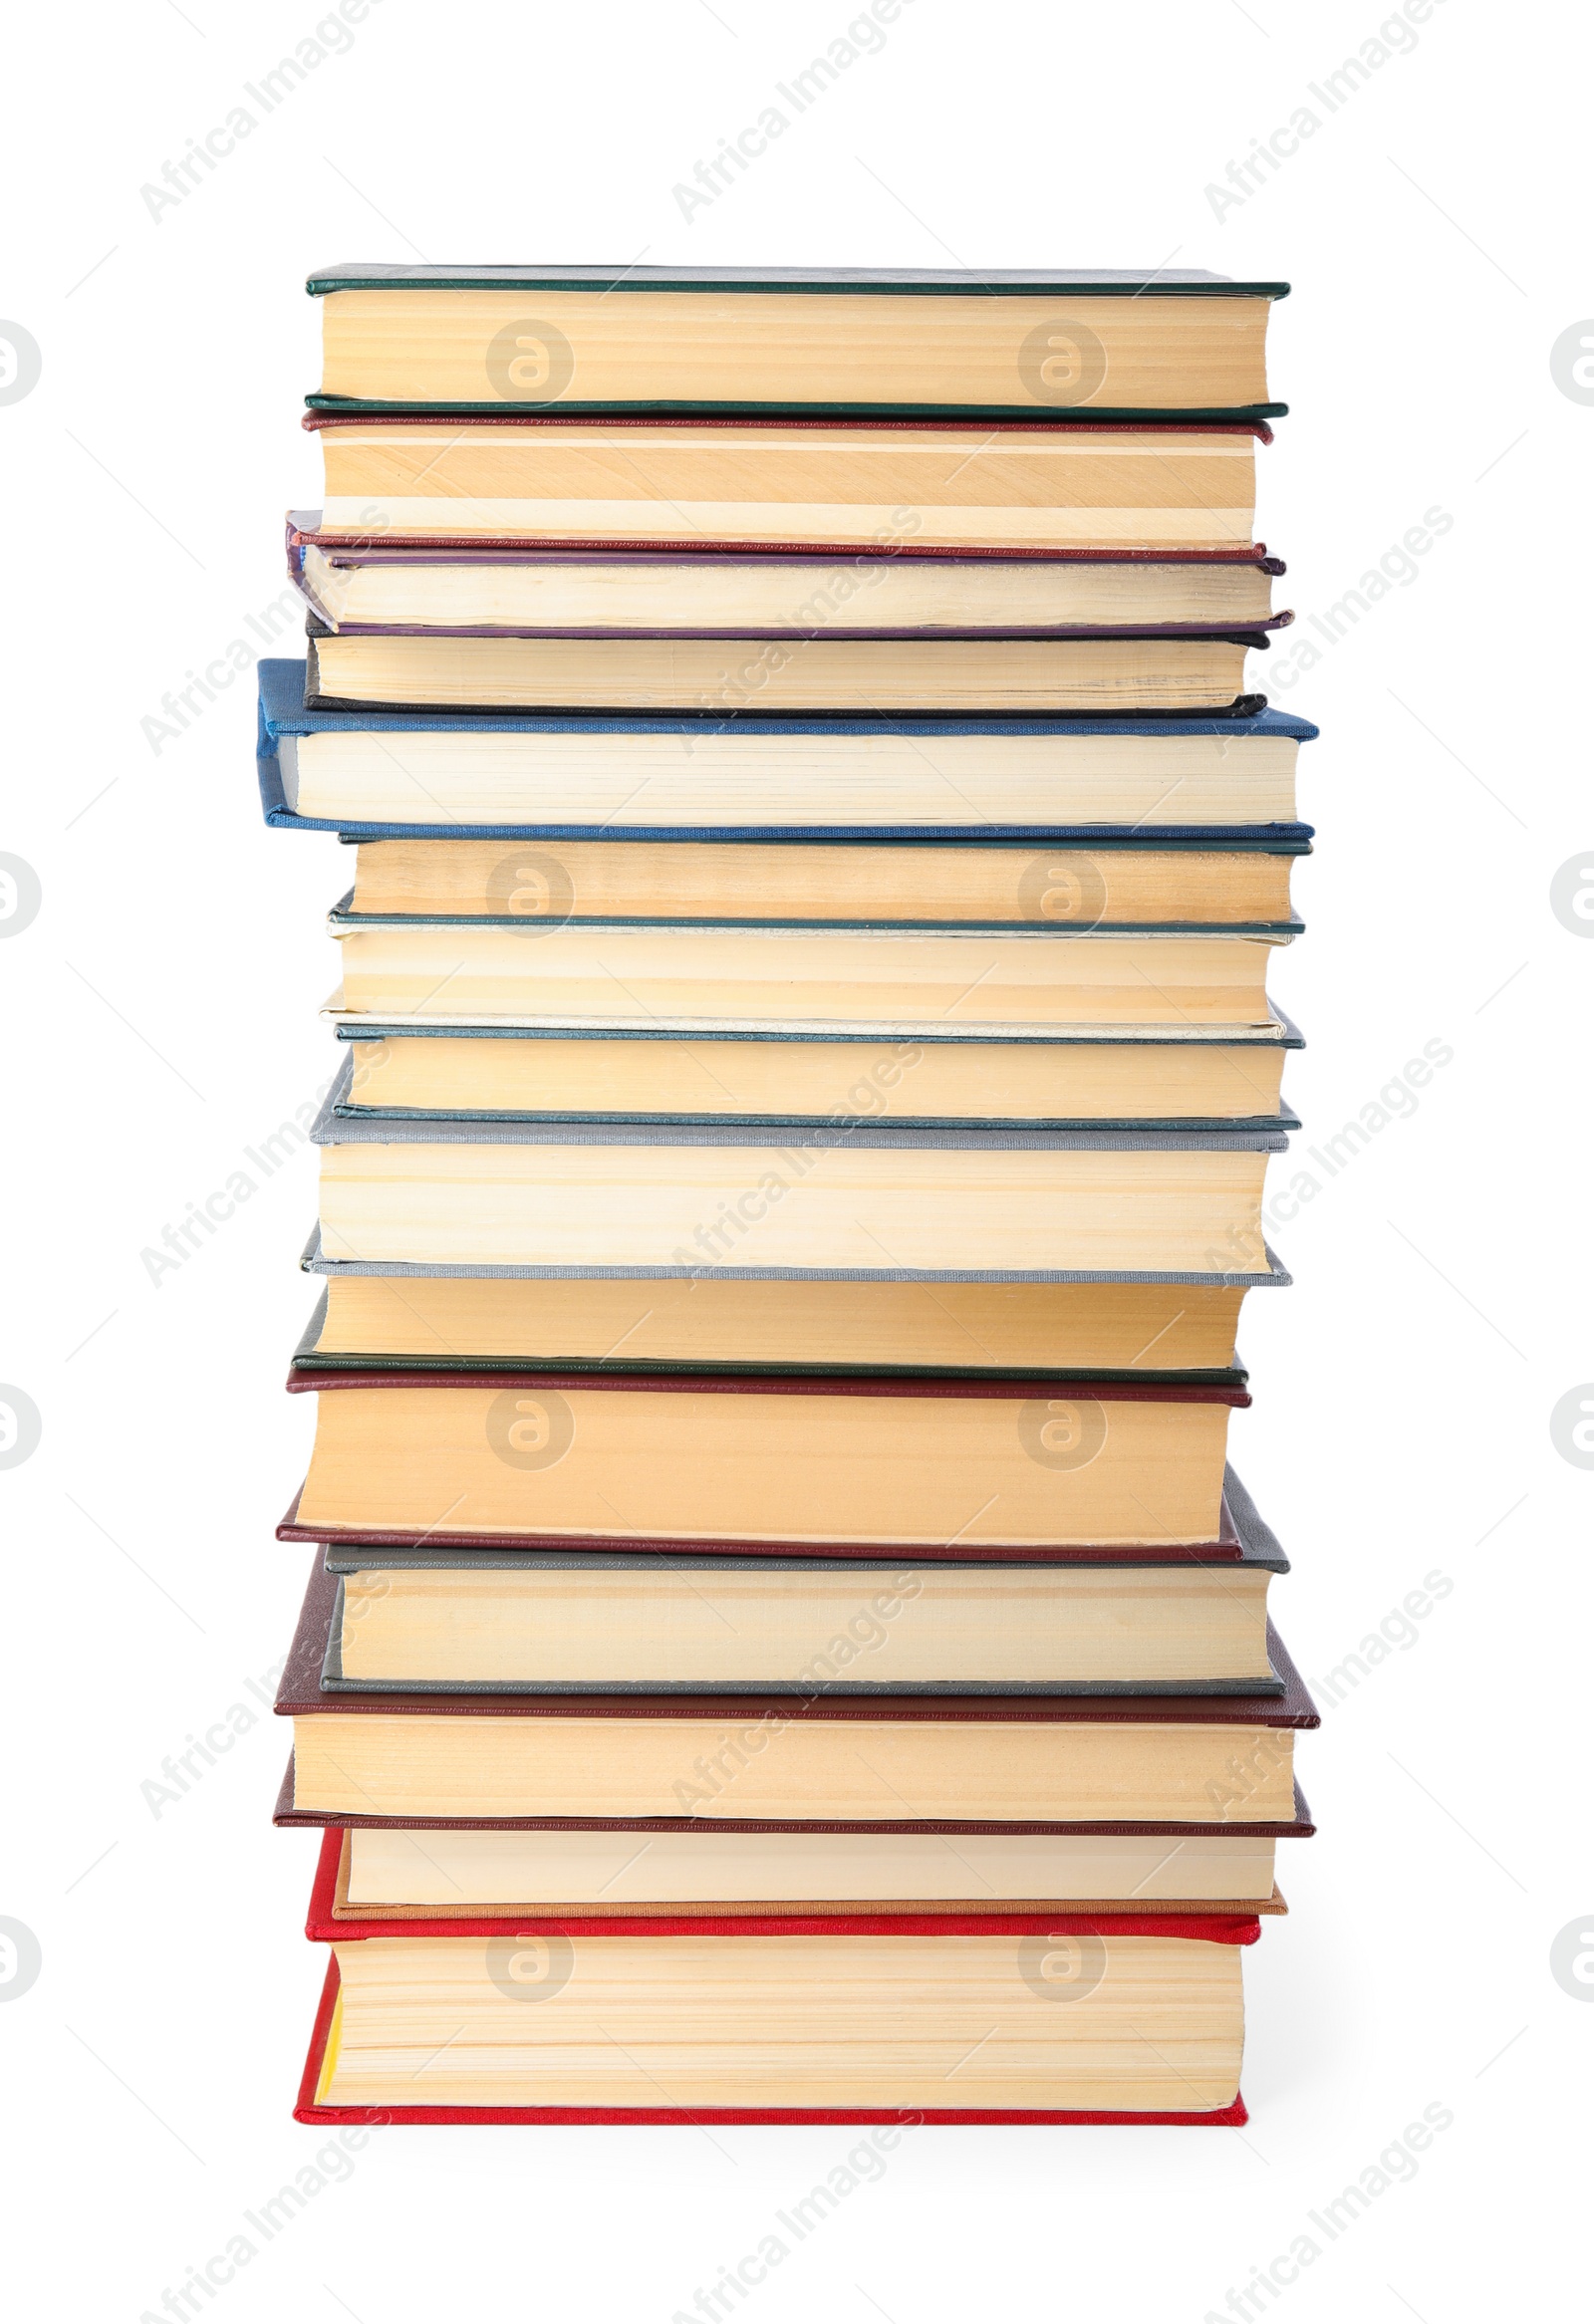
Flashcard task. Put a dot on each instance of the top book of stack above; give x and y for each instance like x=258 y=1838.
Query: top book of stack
x=917 y=342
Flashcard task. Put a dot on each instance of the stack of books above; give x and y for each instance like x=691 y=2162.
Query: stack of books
x=784 y=1640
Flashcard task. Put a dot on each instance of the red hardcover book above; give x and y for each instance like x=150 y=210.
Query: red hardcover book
x=307 y=2110
x=326 y=1921
x=1212 y=1928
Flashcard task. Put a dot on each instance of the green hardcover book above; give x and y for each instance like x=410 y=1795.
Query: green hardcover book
x=1010 y=344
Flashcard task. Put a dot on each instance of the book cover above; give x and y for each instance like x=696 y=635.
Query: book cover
x=1174 y=282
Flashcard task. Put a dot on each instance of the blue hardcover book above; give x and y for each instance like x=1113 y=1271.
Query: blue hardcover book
x=1149 y=783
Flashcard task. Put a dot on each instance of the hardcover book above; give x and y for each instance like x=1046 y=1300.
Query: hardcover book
x=730 y=1461
x=734 y=977
x=403 y=1070
x=389 y=774
x=857 y=1198
x=861 y=488
x=377 y=587
x=1242 y=884
x=943 y=2019
x=401 y=1874
x=372 y=1315
x=593 y=1863
x=988 y=342
x=442 y=1619
x=1126 y=670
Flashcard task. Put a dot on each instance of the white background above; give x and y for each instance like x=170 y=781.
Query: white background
x=161 y=1018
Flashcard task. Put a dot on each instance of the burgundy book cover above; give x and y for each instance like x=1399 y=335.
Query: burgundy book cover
x=300 y=1696
x=1021 y=1387
x=1201 y=1927
x=1016 y=1387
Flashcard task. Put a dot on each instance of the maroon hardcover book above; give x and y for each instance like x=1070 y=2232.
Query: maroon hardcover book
x=476 y=557
x=1013 y=1387
x=289 y=1818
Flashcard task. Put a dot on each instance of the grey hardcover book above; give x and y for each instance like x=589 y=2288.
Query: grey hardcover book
x=336 y=1125
x=315 y=1261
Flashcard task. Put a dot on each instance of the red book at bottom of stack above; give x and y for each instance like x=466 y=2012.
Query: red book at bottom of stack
x=794 y=2014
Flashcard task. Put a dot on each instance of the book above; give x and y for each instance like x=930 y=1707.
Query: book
x=857 y=1197
x=357 y=587
x=740 y=976
x=864 y=487
x=988 y=342
x=594 y=1863
x=1240 y=885
x=946 y=2018
x=444 y=1620
x=818 y=1758
x=726 y=1461
x=399 y=1874
x=404 y=1069
x=816 y=675
x=389 y=774
x=371 y=1315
